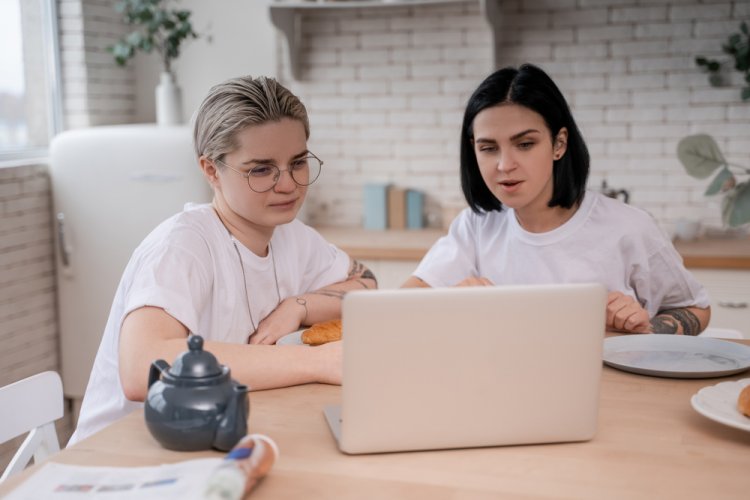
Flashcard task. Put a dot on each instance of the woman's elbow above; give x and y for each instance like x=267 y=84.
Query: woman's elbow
x=134 y=386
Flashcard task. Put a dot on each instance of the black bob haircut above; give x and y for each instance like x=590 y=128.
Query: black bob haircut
x=532 y=88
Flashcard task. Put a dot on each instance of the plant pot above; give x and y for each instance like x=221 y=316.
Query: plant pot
x=168 y=101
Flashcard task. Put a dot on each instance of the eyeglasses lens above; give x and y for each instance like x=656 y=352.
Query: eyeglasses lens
x=304 y=172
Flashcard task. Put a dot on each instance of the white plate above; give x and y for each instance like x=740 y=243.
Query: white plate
x=294 y=338
x=719 y=403
x=676 y=356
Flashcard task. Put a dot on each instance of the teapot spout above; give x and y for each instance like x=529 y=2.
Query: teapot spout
x=233 y=425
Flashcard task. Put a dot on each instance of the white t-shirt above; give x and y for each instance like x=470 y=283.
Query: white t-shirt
x=189 y=267
x=606 y=241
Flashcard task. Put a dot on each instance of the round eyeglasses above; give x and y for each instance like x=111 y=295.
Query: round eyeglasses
x=261 y=178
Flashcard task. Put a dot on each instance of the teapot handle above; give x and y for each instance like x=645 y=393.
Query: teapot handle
x=157 y=368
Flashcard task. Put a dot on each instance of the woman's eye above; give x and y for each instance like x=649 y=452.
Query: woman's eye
x=487 y=149
x=262 y=171
x=525 y=145
x=299 y=164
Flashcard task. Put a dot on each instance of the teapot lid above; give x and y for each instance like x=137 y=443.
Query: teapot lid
x=196 y=363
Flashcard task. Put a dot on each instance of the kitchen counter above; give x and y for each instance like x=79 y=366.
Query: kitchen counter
x=715 y=253
x=392 y=244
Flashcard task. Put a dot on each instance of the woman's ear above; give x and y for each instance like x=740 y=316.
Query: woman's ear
x=561 y=144
x=208 y=167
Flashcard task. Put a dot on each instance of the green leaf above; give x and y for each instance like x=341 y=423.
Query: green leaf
x=134 y=38
x=700 y=155
x=724 y=181
x=743 y=57
x=735 y=207
x=714 y=66
x=743 y=28
x=715 y=80
x=701 y=61
x=745 y=93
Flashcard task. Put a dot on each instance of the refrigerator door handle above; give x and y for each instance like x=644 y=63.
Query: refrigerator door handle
x=61 y=239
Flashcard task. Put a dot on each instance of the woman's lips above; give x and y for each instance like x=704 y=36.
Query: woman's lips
x=286 y=205
x=510 y=186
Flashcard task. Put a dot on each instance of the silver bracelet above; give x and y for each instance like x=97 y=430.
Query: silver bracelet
x=303 y=303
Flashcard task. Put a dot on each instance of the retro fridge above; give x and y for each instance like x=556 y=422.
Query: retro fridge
x=111 y=186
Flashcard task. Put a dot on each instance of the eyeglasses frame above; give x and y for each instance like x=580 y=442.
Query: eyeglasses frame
x=246 y=175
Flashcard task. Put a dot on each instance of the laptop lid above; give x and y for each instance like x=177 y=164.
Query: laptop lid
x=467 y=367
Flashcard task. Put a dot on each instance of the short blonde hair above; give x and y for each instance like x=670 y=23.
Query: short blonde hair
x=237 y=103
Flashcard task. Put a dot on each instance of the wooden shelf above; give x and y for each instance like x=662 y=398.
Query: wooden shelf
x=287 y=17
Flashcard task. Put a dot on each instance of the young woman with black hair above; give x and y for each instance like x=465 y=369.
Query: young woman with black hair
x=524 y=166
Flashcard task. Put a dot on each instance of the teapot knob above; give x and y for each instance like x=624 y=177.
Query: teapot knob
x=195 y=343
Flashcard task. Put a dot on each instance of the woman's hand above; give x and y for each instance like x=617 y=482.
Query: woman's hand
x=625 y=314
x=475 y=281
x=286 y=318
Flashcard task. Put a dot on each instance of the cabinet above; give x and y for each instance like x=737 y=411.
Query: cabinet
x=729 y=291
x=287 y=17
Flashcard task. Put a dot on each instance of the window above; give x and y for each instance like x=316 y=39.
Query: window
x=29 y=96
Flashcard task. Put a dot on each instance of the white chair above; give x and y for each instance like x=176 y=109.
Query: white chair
x=721 y=333
x=32 y=404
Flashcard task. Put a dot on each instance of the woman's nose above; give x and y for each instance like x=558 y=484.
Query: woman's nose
x=285 y=183
x=505 y=162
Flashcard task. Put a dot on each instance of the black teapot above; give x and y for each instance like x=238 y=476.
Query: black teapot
x=195 y=405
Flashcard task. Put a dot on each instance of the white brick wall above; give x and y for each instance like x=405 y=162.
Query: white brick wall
x=28 y=317
x=95 y=90
x=400 y=78
x=385 y=89
x=653 y=88
x=28 y=312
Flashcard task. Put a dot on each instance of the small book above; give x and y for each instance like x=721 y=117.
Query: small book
x=396 y=208
x=414 y=209
x=375 y=206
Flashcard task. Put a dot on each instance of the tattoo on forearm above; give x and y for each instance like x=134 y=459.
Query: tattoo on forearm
x=361 y=271
x=338 y=294
x=669 y=321
x=363 y=283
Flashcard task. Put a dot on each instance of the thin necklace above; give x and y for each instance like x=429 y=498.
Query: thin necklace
x=244 y=280
x=242 y=266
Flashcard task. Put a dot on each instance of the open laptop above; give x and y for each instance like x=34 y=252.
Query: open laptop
x=466 y=367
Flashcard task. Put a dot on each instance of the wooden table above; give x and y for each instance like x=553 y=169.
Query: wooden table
x=650 y=444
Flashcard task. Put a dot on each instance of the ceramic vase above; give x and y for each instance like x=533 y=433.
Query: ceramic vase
x=168 y=101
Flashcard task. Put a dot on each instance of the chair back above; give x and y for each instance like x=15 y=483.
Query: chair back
x=31 y=405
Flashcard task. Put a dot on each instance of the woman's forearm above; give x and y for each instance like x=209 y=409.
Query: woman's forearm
x=681 y=321
x=325 y=304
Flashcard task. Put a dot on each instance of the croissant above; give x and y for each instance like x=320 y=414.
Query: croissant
x=321 y=333
x=743 y=402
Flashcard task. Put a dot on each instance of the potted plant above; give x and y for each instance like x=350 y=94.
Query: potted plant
x=701 y=157
x=737 y=46
x=160 y=28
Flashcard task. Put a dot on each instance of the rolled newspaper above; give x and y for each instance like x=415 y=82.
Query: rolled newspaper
x=244 y=466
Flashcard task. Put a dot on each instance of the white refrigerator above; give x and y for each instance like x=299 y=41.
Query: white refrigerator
x=111 y=186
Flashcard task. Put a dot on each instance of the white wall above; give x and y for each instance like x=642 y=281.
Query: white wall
x=237 y=39
x=385 y=89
